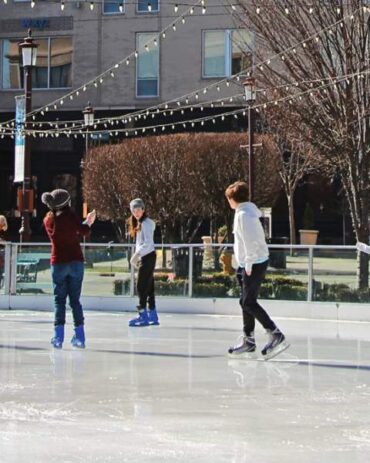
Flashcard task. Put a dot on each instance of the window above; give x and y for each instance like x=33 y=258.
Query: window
x=113 y=6
x=147 y=6
x=147 y=67
x=53 y=66
x=226 y=52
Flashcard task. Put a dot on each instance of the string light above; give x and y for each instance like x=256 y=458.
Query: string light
x=62 y=5
x=92 y=6
x=32 y=3
x=176 y=8
x=234 y=113
x=121 y=7
x=202 y=2
x=149 y=7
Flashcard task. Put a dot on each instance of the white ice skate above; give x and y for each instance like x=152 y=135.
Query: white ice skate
x=276 y=345
x=244 y=349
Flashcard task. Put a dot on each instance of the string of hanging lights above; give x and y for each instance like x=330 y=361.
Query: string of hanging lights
x=312 y=92
x=227 y=81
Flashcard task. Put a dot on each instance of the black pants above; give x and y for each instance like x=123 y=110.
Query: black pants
x=145 y=281
x=250 y=286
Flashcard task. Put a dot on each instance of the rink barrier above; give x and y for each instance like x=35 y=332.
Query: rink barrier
x=26 y=272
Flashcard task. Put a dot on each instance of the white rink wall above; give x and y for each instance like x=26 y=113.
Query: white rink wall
x=286 y=309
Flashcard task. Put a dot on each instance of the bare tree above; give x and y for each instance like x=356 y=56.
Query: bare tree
x=181 y=177
x=296 y=155
x=322 y=45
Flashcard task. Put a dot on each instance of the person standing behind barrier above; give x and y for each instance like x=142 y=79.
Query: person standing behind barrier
x=141 y=227
x=363 y=247
x=3 y=228
x=251 y=254
x=67 y=262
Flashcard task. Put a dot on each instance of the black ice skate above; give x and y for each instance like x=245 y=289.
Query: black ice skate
x=245 y=348
x=276 y=344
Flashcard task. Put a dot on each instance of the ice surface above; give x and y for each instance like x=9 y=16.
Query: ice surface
x=170 y=393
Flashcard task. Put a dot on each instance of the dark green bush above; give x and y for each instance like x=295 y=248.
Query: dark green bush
x=209 y=290
x=161 y=276
x=220 y=278
x=178 y=287
x=292 y=293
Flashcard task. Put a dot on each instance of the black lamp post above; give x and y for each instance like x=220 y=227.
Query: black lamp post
x=29 y=57
x=250 y=98
x=88 y=113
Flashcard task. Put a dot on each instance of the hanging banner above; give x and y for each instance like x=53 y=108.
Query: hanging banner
x=20 y=119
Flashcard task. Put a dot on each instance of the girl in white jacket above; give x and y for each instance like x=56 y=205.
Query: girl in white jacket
x=141 y=227
x=251 y=254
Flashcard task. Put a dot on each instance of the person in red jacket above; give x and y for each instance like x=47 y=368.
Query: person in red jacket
x=67 y=262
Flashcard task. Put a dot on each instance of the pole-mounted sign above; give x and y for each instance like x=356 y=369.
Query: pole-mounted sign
x=20 y=119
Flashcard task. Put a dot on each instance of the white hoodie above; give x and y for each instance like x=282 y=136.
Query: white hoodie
x=250 y=244
x=144 y=238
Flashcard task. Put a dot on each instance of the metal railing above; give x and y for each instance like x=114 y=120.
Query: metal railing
x=299 y=272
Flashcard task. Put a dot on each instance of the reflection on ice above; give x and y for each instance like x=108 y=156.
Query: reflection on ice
x=172 y=394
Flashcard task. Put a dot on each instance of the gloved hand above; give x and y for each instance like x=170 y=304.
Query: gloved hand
x=363 y=247
x=135 y=260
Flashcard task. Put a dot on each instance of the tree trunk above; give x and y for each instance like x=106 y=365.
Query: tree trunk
x=292 y=232
x=363 y=260
x=119 y=228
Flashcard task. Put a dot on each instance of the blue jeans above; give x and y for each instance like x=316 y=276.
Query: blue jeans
x=67 y=281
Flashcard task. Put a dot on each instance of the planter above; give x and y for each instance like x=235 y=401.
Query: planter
x=308 y=236
x=226 y=262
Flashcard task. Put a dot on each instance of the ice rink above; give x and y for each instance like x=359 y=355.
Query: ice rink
x=170 y=393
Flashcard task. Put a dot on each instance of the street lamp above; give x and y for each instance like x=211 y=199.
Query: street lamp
x=29 y=57
x=250 y=98
x=88 y=113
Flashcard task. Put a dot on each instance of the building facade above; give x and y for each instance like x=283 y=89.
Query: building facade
x=160 y=51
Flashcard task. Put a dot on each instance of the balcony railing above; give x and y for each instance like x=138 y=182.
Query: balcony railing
x=302 y=273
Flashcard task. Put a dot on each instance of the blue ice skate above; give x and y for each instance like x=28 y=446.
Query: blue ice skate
x=141 y=320
x=153 y=317
x=78 y=339
x=58 y=338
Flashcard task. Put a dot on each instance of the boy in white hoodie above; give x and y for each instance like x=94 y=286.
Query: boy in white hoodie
x=251 y=254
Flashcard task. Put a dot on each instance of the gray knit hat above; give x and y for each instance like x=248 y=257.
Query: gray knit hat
x=136 y=203
x=57 y=199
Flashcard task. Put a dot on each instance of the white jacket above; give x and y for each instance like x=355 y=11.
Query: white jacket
x=144 y=238
x=250 y=244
